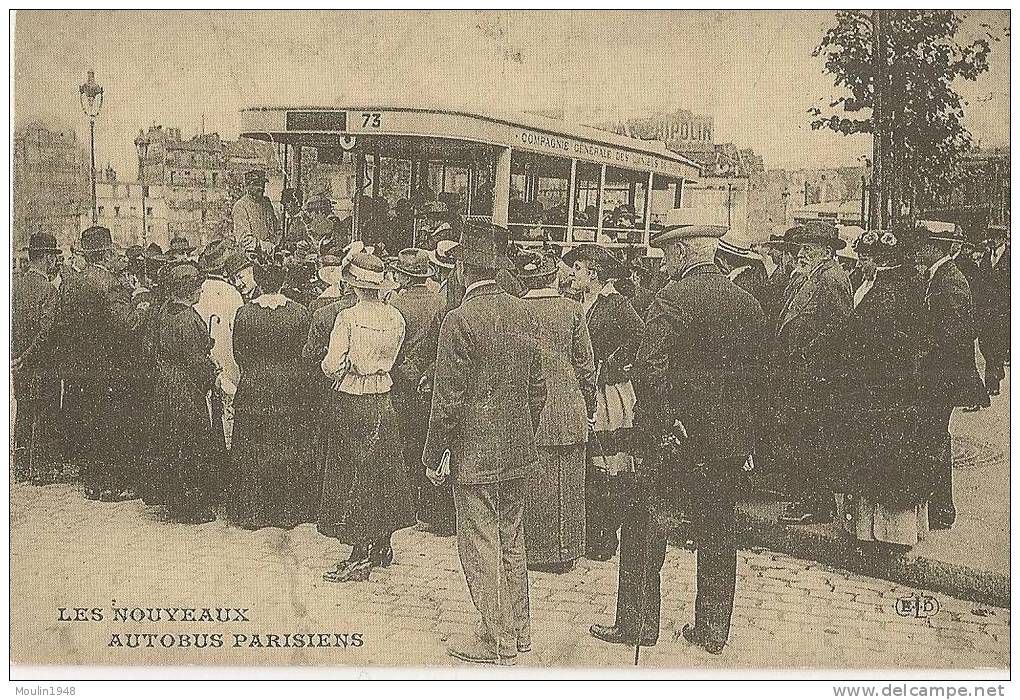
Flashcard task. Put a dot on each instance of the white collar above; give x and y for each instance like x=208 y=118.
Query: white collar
x=938 y=263
x=608 y=289
x=735 y=272
x=475 y=285
x=270 y=301
x=542 y=293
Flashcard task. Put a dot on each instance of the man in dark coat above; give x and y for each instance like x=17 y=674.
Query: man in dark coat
x=33 y=374
x=993 y=331
x=808 y=329
x=418 y=304
x=94 y=327
x=488 y=395
x=697 y=373
x=950 y=374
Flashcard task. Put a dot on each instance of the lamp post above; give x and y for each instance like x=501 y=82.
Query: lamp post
x=91 y=97
x=142 y=144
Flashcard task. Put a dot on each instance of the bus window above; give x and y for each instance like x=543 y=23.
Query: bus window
x=484 y=173
x=623 y=206
x=539 y=187
x=586 y=201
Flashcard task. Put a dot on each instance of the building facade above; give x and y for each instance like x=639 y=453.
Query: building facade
x=120 y=205
x=51 y=185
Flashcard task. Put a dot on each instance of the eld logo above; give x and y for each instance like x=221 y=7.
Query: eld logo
x=917 y=606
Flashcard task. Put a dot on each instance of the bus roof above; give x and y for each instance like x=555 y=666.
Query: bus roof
x=528 y=132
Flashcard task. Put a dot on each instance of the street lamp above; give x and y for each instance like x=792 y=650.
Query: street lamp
x=91 y=97
x=142 y=144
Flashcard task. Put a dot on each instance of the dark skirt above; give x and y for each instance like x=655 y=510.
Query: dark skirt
x=275 y=481
x=554 y=505
x=366 y=490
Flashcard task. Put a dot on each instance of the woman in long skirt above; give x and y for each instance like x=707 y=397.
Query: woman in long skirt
x=273 y=482
x=886 y=474
x=366 y=493
x=554 y=515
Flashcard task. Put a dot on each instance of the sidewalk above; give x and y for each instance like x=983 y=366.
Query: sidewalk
x=970 y=561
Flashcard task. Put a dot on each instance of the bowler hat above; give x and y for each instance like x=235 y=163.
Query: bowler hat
x=95 y=239
x=154 y=250
x=318 y=202
x=43 y=243
x=414 y=262
x=816 y=233
x=483 y=244
x=215 y=255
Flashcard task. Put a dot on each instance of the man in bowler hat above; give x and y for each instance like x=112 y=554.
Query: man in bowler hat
x=488 y=395
x=95 y=328
x=34 y=377
x=696 y=376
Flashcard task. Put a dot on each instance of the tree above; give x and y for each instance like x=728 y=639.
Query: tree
x=921 y=130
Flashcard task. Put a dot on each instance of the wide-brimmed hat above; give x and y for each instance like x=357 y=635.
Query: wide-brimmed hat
x=941 y=231
x=816 y=233
x=180 y=245
x=536 y=264
x=365 y=271
x=483 y=244
x=442 y=255
x=215 y=256
x=318 y=202
x=612 y=266
x=43 y=243
x=732 y=244
x=414 y=262
x=255 y=177
x=891 y=247
x=237 y=260
x=153 y=251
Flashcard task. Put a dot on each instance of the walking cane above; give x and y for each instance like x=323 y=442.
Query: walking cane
x=209 y=396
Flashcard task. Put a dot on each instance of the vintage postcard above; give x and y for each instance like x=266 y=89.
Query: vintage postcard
x=525 y=342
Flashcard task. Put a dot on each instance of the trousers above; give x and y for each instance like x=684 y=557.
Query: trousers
x=490 y=541
x=643 y=552
x=941 y=508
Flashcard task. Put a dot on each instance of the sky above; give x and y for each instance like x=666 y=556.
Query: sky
x=752 y=71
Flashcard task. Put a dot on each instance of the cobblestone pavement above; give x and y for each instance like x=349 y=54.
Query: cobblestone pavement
x=68 y=552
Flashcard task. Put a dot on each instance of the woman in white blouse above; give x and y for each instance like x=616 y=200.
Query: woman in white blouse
x=366 y=495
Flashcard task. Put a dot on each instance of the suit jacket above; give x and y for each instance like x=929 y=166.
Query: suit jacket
x=951 y=376
x=489 y=389
x=699 y=362
x=808 y=334
x=615 y=330
x=753 y=280
x=94 y=327
x=568 y=366
x=418 y=305
x=255 y=223
x=33 y=310
x=992 y=304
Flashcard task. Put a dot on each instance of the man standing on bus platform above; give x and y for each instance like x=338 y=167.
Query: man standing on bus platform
x=256 y=228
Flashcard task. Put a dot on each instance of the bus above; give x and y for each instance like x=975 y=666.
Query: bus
x=542 y=178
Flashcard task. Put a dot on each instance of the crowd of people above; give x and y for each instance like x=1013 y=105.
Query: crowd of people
x=541 y=404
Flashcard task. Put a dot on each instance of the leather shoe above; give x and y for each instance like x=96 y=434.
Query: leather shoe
x=473 y=650
x=615 y=635
x=699 y=638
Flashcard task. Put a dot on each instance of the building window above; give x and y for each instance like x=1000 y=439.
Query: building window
x=100 y=211
x=148 y=211
x=116 y=211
